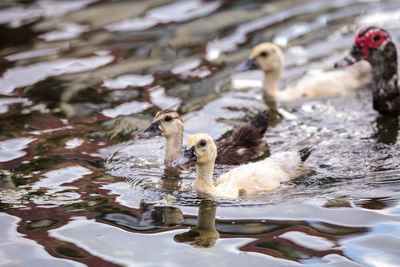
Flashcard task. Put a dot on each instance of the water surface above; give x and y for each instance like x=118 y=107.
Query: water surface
x=80 y=78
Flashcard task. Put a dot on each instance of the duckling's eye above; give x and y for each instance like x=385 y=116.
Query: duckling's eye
x=377 y=37
x=202 y=143
x=168 y=118
x=263 y=54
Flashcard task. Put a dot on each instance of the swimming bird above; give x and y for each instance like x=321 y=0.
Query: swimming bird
x=375 y=45
x=267 y=174
x=246 y=143
x=269 y=58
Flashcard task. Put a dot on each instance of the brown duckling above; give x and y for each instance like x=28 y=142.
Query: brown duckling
x=246 y=143
x=376 y=46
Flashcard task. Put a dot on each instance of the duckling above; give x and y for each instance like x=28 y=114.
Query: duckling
x=169 y=124
x=245 y=144
x=269 y=58
x=267 y=174
x=375 y=45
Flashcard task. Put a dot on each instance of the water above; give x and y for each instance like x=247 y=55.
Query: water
x=80 y=78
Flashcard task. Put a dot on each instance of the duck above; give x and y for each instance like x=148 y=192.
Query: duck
x=244 y=180
x=269 y=58
x=375 y=45
x=246 y=143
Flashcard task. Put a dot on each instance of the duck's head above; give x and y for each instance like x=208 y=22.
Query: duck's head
x=369 y=44
x=267 y=57
x=167 y=123
x=200 y=149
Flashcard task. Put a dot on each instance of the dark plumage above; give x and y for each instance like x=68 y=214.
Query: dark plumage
x=375 y=46
x=305 y=153
x=260 y=121
x=245 y=144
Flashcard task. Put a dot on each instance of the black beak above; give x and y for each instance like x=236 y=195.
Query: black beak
x=152 y=130
x=353 y=57
x=186 y=157
x=249 y=64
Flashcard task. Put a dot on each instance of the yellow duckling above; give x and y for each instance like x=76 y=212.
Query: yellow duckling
x=251 y=178
x=269 y=58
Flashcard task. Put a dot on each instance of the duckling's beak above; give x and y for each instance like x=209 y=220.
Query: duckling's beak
x=186 y=157
x=153 y=130
x=353 y=57
x=249 y=64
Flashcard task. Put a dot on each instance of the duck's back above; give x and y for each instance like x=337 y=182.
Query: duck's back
x=329 y=83
x=245 y=144
x=267 y=174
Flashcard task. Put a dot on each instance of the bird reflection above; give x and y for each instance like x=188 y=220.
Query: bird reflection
x=161 y=215
x=6 y=182
x=170 y=180
x=147 y=218
x=274 y=116
x=386 y=129
x=205 y=235
x=378 y=203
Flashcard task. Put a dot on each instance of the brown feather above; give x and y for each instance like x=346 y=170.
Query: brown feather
x=245 y=144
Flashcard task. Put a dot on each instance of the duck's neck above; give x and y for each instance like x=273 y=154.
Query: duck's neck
x=271 y=83
x=173 y=147
x=204 y=179
x=386 y=95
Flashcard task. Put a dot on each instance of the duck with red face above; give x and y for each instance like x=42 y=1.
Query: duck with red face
x=375 y=45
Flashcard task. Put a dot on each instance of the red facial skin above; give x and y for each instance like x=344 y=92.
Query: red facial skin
x=370 y=40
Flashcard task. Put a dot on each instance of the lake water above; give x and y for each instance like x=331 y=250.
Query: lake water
x=79 y=79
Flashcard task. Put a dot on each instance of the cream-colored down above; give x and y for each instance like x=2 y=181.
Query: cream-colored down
x=248 y=179
x=325 y=83
x=173 y=132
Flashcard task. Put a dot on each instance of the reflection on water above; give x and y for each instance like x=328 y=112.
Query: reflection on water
x=387 y=128
x=13 y=148
x=128 y=80
x=80 y=78
x=204 y=235
x=146 y=218
x=175 y=12
x=34 y=73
